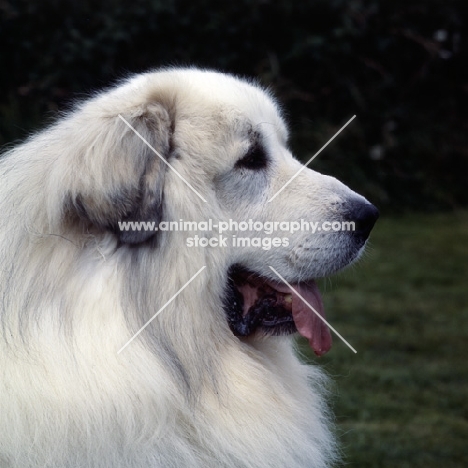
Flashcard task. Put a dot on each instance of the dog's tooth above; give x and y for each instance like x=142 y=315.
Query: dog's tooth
x=288 y=298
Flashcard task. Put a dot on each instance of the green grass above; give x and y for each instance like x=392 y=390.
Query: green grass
x=402 y=400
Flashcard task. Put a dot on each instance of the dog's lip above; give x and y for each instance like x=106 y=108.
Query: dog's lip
x=309 y=323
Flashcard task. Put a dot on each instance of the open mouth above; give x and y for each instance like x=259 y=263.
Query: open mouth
x=255 y=304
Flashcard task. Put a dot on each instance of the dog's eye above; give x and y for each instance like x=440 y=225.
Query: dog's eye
x=255 y=159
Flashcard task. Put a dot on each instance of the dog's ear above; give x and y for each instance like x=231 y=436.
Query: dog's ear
x=121 y=173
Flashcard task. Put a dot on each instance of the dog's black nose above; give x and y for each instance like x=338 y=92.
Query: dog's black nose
x=364 y=215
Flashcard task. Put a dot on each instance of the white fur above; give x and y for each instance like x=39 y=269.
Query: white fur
x=186 y=392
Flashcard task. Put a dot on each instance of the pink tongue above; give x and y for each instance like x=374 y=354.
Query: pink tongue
x=307 y=322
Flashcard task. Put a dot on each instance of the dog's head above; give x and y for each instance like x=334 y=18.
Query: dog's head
x=190 y=145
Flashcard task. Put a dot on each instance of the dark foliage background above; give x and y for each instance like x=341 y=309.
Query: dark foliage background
x=397 y=64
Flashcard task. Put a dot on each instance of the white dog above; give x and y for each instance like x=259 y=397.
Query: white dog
x=212 y=381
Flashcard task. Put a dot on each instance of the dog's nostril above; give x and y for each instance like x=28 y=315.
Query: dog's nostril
x=364 y=216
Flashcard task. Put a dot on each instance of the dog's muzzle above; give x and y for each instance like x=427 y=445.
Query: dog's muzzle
x=256 y=304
